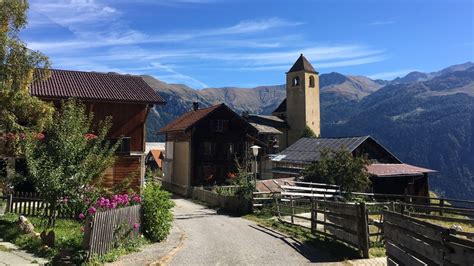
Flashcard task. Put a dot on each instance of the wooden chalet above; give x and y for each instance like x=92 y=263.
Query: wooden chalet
x=125 y=98
x=202 y=146
x=387 y=173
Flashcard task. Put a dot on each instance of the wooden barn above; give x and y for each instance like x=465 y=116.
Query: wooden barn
x=126 y=98
x=388 y=174
x=202 y=146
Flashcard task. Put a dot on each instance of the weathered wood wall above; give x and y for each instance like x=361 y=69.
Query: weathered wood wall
x=410 y=241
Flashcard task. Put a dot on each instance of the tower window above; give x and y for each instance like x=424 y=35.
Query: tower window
x=311 y=81
x=295 y=81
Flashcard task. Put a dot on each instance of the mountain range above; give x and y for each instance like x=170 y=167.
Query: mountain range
x=426 y=119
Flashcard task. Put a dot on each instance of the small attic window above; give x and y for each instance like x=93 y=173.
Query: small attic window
x=295 y=81
x=311 y=81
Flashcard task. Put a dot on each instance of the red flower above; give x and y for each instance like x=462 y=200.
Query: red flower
x=10 y=136
x=90 y=136
x=39 y=136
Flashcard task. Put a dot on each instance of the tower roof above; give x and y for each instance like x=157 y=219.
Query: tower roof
x=302 y=64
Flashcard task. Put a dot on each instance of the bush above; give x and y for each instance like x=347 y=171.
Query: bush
x=157 y=216
x=340 y=167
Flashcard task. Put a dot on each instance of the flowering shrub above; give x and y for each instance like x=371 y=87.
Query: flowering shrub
x=109 y=203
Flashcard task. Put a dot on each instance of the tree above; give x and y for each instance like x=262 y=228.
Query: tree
x=308 y=133
x=339 y=168
x=70 y=157
x=20 y=112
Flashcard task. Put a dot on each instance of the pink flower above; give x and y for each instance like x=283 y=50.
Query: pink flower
x=136 y=225
x=22 y=136
x=81 y=216
x=137 y=199
x=90 y=136
x=92 y=210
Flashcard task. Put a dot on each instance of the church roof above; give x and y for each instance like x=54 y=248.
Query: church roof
x=281 y=108
x=302 y=64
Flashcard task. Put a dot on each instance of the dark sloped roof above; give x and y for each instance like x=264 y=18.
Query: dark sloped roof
x=263 y=129
x=391 y=170
x=281 y=108
x=187 y=120
x=302 y=64
x=308 y=150
x=95 y=86
x=268 y=120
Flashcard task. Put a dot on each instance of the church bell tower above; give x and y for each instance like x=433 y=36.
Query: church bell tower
x=302 y=99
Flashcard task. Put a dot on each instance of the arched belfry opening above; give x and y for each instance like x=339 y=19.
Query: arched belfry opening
x=311 y=81
x=295 y=81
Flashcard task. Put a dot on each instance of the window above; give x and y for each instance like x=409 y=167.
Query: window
x=311 y=81
x=295 y=81
x=230 y=150
x=218 y=125
x=207 y=148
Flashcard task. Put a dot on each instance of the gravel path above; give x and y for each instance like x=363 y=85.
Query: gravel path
x=220 y=239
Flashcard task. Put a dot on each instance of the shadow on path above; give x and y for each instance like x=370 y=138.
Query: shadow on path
x=310 y=253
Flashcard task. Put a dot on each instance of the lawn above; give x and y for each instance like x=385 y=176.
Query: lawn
x=68 y=235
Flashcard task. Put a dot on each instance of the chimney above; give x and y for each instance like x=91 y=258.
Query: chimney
x=195 y=106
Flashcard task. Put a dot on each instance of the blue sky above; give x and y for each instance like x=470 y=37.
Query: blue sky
x=216 y=43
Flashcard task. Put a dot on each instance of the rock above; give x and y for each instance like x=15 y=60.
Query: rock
x=25 y=225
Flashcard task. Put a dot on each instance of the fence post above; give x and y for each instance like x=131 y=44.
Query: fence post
x=314 y=216
x=277 y=205
x=363 y=230
x=441 y=204
x=9 y=203
x=292 y=204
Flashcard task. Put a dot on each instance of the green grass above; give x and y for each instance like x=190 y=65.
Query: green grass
x=129 y=246
x=68 y=235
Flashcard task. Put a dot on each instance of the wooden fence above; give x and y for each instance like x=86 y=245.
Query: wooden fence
x=345 y=222
x=32 y=204
x=106 y=229
x=410 y=241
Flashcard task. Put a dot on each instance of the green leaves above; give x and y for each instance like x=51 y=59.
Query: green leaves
x=65 y=161
x=340 y=168
x=157 y=215
x=19 y=110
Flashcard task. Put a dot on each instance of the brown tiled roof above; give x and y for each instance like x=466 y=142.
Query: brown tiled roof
x=188 y=119
x=95 y=86
x=158 y=156
x=380 y=169
x=302 y=64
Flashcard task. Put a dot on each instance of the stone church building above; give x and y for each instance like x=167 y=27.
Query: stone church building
x=300 y=109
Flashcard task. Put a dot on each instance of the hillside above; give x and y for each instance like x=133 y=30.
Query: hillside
x=429 y=123
x=426 y=119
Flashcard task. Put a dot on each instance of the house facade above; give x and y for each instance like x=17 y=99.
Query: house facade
x=202 y=147
x=126 y=99
x=387 y=173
